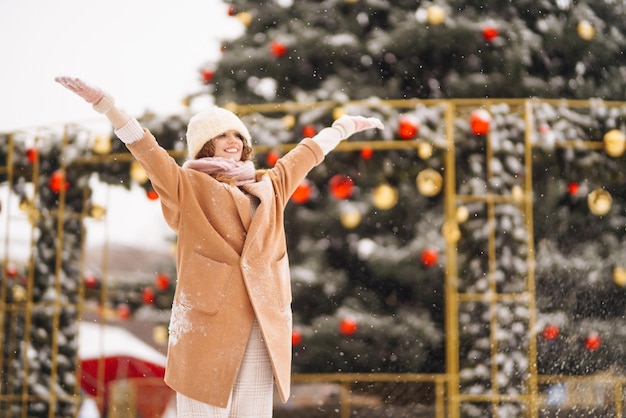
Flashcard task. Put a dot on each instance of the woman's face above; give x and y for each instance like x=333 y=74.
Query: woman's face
x=229 y=145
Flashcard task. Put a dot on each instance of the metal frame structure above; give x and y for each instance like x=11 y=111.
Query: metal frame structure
x=448 y=394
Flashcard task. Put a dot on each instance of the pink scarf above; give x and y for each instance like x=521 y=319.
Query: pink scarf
x=242 y=171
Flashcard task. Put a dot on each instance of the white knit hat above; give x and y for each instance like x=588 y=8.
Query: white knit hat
x=208 y=124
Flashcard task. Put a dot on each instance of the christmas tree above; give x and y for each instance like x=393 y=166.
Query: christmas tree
x=338 y=49
x=368 y=280
x=515 y=208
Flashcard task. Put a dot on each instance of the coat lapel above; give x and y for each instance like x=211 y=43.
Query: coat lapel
x=242 y=202
x=261 y=189
x=264 y=191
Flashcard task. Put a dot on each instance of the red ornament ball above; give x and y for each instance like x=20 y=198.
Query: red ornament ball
x=408 y=128
x=123 y=311
x=162 y=282
x=340 y=186
x=309 y=131
x=271 y=158
x=152 y=194
x=302 y=194
x=593 y=341
x=278 y=49
x=91 y=281
x=32 y=154
x=348 y=326
x=296 y=338
x=490 y=33
x=207 y=75
x=367 y=153
x=57 y=182
x=550 y=332
x=11 y=271
x=429 y=257
x=147 y=295
x=572 y=188
x=480 y=121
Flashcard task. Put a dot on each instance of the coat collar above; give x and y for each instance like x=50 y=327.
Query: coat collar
x=261 y=189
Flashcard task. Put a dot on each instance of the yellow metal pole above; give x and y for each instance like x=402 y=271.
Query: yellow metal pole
x=493 y=286
x=100 y=384
x=451 y=274
x=532 y=307
x=346 y=403
x=618 y=399
x=3 y=283
x=57 y=282
x=440 y=393
x=30 y=285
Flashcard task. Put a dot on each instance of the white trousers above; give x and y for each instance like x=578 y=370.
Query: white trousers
x=252 y=395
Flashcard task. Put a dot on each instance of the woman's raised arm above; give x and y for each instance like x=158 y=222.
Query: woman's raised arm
x=126 y=128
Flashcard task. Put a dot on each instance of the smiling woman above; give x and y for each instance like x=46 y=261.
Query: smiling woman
x=188 y=33
x=231 y=320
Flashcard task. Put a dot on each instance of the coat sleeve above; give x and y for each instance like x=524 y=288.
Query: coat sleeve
x=293 y=167
x=164 y=174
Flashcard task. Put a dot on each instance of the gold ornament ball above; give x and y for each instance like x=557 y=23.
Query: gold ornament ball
x=338 y=112
x=451 y=232
x=137 y=173
x=350 y=218
x=289 y=121
x=424 y=150
x=599 y=202
x=462 y=214
x=245 y=18
x=97 y=212
x=435 y=15
x=585 y=30
x=517 y=194
x=614 y=143
x=19 y=293
x=385 y=196
x=28 y=207
x=102 y=145
x=159 y=334
x=429 y=182
x=619 y=276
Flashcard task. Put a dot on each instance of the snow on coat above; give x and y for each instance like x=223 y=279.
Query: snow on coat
x=231 y=268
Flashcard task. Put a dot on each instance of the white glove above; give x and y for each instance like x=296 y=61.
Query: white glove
x=349 y=125
x=101 y=101
x=342 y=128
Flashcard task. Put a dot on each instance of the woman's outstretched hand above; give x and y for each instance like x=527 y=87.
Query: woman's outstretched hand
x=349 y=125
x=91 y=94
x=101 y=101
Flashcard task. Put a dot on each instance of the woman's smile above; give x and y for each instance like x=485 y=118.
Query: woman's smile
x=229 y=145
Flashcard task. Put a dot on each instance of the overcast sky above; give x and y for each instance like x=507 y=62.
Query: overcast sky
x=146 y=53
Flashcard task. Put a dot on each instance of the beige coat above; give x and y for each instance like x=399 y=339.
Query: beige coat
x=231 y=268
